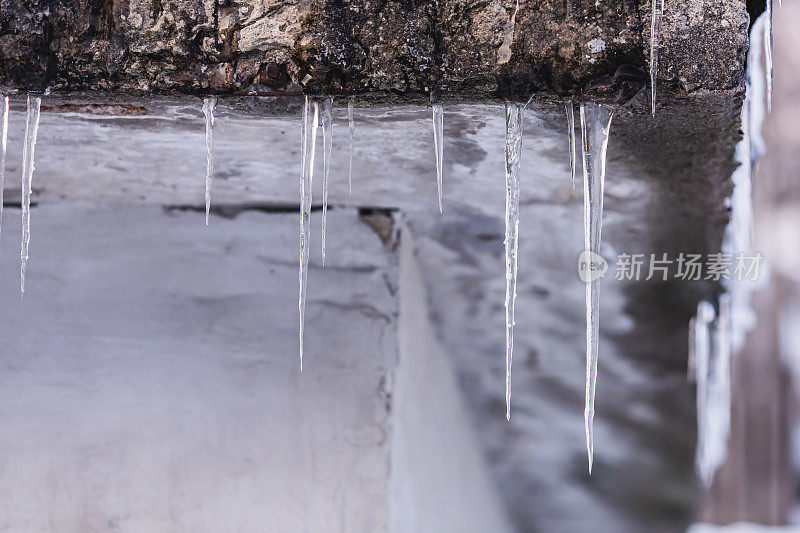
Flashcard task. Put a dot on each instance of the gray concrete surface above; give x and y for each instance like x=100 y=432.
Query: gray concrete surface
x=150 y=376
x=663 y=193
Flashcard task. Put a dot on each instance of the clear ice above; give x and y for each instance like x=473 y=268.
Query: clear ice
x=513 y=153
x=714 y=340
x=31 y=129
x=768 y=53
x=657 y=10
x=308 y=132
x=573 y=149
x=3 y=144
x=438 y=146
x=595 y=125
x=712 y=373
x=327 y=146
x=209 y=104
x=352 y=126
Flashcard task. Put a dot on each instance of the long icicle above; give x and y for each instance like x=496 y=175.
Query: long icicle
x=309 y=144
x=702 y=354
x=3 y=144
x=209 y=104
x=768 y=54
x=438 y=146
x=352 y=127
x=513 y=153
x=31 y=129
x=573 y=149
x=595 y=125
x=327 y=146
x=657 y=10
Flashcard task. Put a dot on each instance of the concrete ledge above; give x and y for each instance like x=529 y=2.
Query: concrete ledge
x=479 y=49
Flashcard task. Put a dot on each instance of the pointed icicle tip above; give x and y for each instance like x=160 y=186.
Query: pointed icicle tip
x=656 y=12
x=308 y=134
x=327 y=147
x=438 y=147
x=573 y=153
x=209 y=104
x=352 y=127
x=3 y=144
x=513 y=152
x=768 y=54
x=595 y=127
x=31 y=131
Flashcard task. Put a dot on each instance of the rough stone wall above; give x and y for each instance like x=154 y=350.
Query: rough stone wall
x=475 y=49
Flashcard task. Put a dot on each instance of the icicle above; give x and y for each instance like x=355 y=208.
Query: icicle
x=657 y=11
x=595 y=125
x=352 y=126
x=573 y=151
x=309 y=135
x=3 y=144
x=692 y=358
x=327 y=145
x=768 y=54
x=209 y=104
x=438 y=146
x=702 y=352
x=31 y=129
x=513 y=153
x=713 y=377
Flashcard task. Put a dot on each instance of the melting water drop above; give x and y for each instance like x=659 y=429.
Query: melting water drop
x=327 y=145
x=438 y=145
x=513 y=153
x=768 y=54
x=352 y=126
x=208 y=111
x=657 y=11
x=595 y=125
x=31 y=129
x=3 y=144
x=308 y=133
x=573 y=150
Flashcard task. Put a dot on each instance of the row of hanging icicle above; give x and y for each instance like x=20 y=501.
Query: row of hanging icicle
x=595 y=121
x=717 y=332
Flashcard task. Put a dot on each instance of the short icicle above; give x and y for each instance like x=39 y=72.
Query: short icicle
x=438 y=146
x=513 y=153
x=3 y=144
x=352 y=127
x=309 y=143
x=595 y=125
x=209 y=104
x=31 y=130
x=573 y=149
x=327 y=146
x=768 y=54
x=657 y=10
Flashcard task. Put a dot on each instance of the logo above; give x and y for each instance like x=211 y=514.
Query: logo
x=591 y=266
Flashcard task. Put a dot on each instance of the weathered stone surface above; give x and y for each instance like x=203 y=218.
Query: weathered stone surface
x=477 y=49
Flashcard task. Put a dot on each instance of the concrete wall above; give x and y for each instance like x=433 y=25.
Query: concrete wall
x=150 y=376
